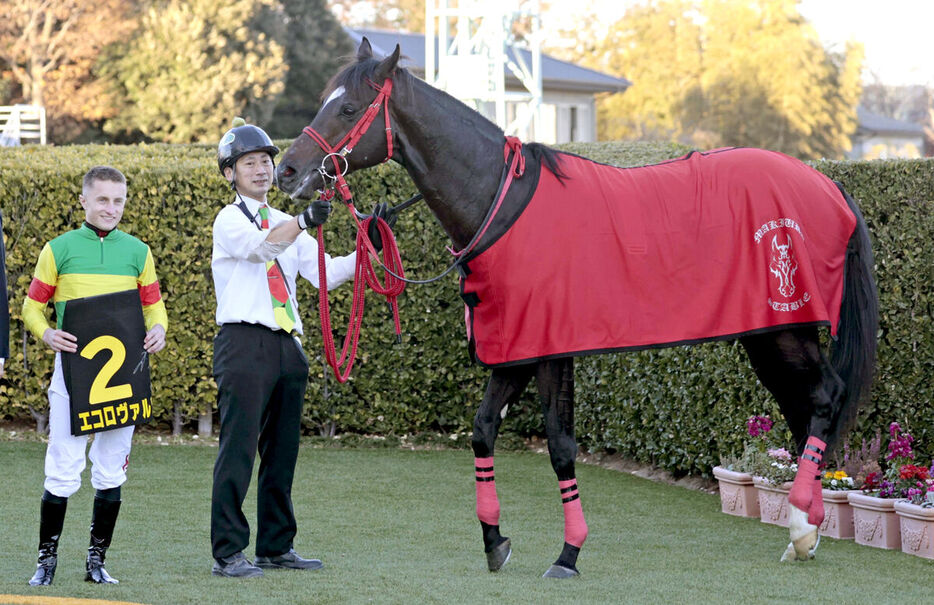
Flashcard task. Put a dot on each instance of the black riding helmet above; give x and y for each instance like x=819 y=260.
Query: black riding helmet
x=241 y=140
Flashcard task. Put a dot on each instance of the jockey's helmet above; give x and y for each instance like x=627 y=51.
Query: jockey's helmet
x=241 y=140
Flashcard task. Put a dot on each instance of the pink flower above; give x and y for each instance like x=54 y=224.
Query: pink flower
x=899 y=445
x=758 y=425
x=779 y=454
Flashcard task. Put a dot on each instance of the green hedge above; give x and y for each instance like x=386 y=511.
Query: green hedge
x=678 y=408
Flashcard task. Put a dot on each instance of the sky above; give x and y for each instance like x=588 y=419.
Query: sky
x=893 y=32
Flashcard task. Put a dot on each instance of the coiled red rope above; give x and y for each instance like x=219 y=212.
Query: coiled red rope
x=364 y=275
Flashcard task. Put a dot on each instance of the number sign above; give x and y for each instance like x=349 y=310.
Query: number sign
x=108 y=378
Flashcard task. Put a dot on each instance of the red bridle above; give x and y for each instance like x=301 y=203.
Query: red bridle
x=342 y=148
x=364 y=274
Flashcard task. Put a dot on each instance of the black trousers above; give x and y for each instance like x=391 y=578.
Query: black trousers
x=261 y=376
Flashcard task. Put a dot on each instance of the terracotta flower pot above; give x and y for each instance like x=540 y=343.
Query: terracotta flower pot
x=773 y=501
x=737 y=493
x=838 y=515
x=874 y=521
x=917 y=527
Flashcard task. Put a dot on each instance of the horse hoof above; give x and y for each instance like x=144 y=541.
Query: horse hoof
x=499 y=556
x=560 y=572
x=801 y=550
x=804 y=536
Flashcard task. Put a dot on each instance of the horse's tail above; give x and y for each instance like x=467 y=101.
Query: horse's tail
x=853 y=356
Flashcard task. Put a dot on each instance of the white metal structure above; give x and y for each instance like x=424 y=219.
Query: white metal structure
x=474 y=44
x=21 y=123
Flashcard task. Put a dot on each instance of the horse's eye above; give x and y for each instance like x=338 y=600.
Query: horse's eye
x=348 y=110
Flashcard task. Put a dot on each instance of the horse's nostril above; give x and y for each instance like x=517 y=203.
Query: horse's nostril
x=286 y=171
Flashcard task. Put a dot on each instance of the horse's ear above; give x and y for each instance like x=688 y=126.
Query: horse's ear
x=387 y=66
x=365 y=51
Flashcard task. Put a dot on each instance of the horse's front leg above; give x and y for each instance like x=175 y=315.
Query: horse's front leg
x=809 y=392
x=806 y=505
x=503 y=389
x=555 y=379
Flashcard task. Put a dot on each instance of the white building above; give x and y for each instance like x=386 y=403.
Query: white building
x=881 y=137
x=568 y=110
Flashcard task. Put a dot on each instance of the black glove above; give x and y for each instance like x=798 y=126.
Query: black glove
x=315 y=214
x=383 y=211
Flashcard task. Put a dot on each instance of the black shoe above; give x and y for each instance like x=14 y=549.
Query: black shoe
x=96 y=572
x=289 y=560
x=103 y=519
x=51 y=520
x=45 y=571
x=236 y=566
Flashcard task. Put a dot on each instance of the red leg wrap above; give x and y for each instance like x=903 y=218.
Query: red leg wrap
x=575 y=527
x=802 y=492
x=816 y=510
x=487 y=501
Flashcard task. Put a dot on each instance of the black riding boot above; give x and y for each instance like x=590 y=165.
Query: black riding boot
x=51 y=520
x=103 y=520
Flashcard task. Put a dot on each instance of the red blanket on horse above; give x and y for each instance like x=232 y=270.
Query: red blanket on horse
x=708 y=246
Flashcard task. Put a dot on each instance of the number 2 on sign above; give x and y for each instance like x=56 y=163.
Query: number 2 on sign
x=100 y=392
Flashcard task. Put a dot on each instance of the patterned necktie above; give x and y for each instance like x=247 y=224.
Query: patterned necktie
x=281 y=307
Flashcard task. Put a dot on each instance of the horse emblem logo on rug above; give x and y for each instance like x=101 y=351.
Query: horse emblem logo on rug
x=783 y=266
x=782 y=262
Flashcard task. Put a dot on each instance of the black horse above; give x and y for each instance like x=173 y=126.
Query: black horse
x=455 y=157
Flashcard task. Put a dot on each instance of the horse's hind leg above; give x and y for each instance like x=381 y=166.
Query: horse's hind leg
x=504 y=387
x=555 y=381
x=809 y=392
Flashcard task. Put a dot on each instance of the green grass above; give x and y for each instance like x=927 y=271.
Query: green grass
x=396 y=526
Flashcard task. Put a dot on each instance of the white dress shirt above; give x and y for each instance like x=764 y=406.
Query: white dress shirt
x=238 y=264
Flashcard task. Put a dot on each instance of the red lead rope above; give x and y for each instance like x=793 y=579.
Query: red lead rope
x=364 y=275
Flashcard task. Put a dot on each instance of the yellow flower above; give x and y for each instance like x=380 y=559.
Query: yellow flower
x=839 y=475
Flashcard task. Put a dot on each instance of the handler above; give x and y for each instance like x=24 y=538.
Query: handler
x=95 y=259
x=4 y=305
x=259 y=365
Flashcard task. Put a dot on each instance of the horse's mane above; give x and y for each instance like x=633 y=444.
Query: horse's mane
x=551 y=158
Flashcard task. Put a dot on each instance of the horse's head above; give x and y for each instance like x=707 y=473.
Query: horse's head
x=344 y=136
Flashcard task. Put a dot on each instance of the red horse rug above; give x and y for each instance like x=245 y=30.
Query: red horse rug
x=709 y=246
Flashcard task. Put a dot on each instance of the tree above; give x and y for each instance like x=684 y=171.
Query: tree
x=728 y=72
x=768 y=82
x=315 y=45
x=195 y=64
x=657 y=48
x=50 y=47
x=405 y=15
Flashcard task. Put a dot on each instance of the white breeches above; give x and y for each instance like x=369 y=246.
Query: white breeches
x=65 y=456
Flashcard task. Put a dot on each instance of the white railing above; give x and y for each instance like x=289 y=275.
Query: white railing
x=22 y=124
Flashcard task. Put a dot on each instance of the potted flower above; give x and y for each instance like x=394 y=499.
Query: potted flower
x=860 y=463
x=838 y=515
x=916 y=512
x=773 y=476
x=874 y=519
x=849 y=474
x=738 y=495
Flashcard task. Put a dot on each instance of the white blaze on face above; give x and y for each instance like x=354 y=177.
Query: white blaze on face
x=336 y=94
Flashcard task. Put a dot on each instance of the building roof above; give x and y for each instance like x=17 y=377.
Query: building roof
x=874 y=123
x=556 y=74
